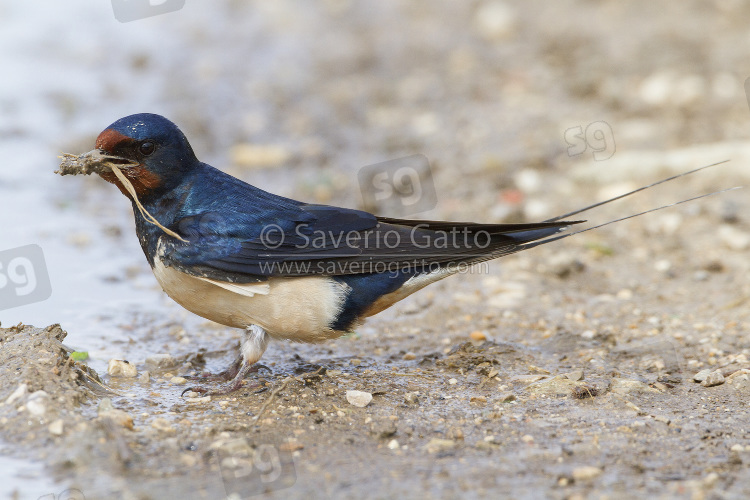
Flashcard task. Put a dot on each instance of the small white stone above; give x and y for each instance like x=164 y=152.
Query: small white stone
x=713 y=379
x=121 y=368
x=17 y=394
x=178 y=380
x=586 y=473
x=663 y=265
x=37 y=403
x=711 y=479
x=56 y=427
x=734 y=238
x=196 y=400
x=258 y=155
x=360 y=399
x=529 y=180
x=452 y=381
x=393 y=445
x=701 y=375
x=495 y=20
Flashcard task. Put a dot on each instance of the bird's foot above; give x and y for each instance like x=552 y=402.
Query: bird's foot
x=225 y=389
x=228 y=374
x=234 y=375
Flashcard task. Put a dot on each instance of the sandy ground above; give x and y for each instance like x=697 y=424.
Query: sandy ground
x=564 y=372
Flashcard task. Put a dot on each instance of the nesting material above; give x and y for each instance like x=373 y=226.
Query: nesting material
x=97 y=163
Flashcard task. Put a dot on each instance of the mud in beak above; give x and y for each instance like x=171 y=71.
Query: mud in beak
x=95 y=161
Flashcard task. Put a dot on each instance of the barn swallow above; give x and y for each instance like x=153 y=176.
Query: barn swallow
x=275 y=267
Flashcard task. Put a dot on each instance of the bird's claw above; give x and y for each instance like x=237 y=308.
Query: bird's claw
x=225 y=389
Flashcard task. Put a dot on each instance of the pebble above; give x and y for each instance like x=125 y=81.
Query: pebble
x=393 y=445
x=701 y=375
x=409 y=356
x=711 y=479
x=258 y=156
x=119 y=417
x=656 y=88
x=586 y=473
x=555 y=386
x=713 y=379
x=452 y=381
x=360 y=399
x=178 y=380
x=507 y=397
x=56 y=427
x=478 y=336
x=411 y=398
x=104 y=405
x=291 y=445
x=495 y=20
x=527 y=438
x=738 y=373
x=662 y=265
x=37 y=403
x=121 y=368
x=382 y=428
x=196 y=400
x=564 y=264
x=575 y=375
x=588 y=334
x=145 y=377
x=161 y=361
x=737 y=447
x=624 y=386
x=163 y=425
x=529 y=180
x=734 y=238
x=437 y=445
x=17 y=394
x=625 y=294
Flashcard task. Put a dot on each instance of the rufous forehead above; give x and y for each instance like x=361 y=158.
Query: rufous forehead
x=108 y=139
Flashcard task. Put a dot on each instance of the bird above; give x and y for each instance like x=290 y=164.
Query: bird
x=278 y=268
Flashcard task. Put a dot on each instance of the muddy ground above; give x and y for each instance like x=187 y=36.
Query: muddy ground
x=564 y=372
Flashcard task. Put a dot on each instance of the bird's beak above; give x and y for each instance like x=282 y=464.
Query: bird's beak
x=99 y=159
x=95 y=161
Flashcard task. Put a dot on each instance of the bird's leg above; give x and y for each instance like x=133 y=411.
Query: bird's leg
x=253 y=345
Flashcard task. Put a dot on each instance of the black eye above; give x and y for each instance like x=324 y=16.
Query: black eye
x=146 y=148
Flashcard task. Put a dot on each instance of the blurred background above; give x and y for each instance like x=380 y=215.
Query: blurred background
x=522 y=110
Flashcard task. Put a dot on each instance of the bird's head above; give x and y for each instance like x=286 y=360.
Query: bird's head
x=149 y=150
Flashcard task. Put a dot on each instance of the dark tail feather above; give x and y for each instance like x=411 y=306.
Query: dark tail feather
x=599 y=204
x=549 y=240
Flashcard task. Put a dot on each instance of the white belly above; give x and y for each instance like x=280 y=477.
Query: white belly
x=297 y=309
